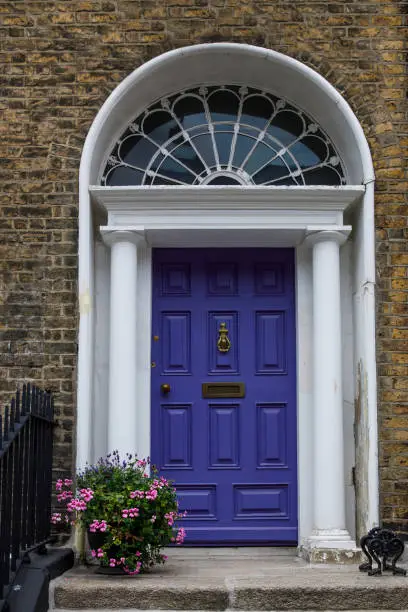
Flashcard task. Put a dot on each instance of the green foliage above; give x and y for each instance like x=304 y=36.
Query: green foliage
x=129 y=513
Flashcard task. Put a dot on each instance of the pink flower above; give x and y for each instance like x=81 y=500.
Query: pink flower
x=98 y=526
x=153 y=519
x=112 y=562
x=170 y=516
x=58 y=485
x=100 y=553
x=130 y=512
x=93 y=553
x=180 y=536
x=56 y=518
x=86 y=494
x=76 y=505
x=151 y=495
x=137 y=495
x=67 y=482
x=122 y=560
x=64 y=495
x=141 y=463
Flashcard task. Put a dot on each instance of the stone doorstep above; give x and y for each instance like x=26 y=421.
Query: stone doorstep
x=206 y=579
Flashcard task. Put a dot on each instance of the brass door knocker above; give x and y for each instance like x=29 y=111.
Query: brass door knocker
x=223 y=343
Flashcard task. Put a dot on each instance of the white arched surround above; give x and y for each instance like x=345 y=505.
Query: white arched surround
x=255 y=216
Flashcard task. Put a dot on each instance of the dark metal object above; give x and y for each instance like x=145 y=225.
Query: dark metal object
x=383 y=547
x=165 y=388
x=26 y=438
x=223 y=389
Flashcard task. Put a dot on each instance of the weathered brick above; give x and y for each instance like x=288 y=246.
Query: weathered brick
x=60 y=60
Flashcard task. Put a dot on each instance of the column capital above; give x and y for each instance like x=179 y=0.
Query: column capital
x=113 y=235
x=321 y=234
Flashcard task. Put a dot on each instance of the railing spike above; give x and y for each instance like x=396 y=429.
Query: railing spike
x=24 y=400
x=48 y=405
x=18 y=406
x=12 y=415
x=43 y=400
x=1 y=431
x=6 y=424
x=33 y=400
x=29 y=398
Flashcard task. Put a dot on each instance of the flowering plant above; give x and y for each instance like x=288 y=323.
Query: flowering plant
x=129 y=514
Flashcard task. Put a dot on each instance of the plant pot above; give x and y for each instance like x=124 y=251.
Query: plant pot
x=97 y=540
x=111 y=571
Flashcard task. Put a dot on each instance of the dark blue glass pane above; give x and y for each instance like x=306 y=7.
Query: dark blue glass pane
x=243 y=146
x=137 y=151
x=256 y=111
x=190 y=112
x=223 y=106
x=224 y=180
x=171 y=169
x=122 y=175
x=286 y=126
x=204 y=145
x=316 y=146
x=322 y=176
x=260 y=156
x=304 y=156
x=186 y=154
x=160 y=126
x=160 y=180
x=272 y=172
x=286 y=181
x=223 y=141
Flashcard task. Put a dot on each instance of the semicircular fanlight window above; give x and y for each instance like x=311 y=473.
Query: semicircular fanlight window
x=223 y=135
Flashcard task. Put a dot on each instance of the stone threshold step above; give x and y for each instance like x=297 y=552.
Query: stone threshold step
x=281 y=589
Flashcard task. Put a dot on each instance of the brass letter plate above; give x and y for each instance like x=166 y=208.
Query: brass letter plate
x=223 y=389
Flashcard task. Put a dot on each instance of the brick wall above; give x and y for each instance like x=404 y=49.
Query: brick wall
x=59 y=61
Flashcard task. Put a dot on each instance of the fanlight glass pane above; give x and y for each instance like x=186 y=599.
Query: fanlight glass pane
x=210 y=135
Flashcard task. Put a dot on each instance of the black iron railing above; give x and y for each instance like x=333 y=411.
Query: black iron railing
x=25 y=479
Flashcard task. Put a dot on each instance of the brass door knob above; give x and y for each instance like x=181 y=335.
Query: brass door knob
x=165 y=388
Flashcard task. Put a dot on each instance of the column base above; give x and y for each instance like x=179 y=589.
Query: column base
x=331 y=546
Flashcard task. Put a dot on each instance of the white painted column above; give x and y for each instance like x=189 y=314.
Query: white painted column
x=328 y=465
x=122 y=412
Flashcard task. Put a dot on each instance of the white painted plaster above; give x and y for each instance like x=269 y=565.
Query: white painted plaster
x=144 y=334
x=254 y=66
x=304 y=330
x=329 y=511
x=346 y=278
x=101 y=370
x=365 y=383
x=123 y=341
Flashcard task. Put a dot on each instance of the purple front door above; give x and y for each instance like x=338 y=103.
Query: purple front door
x=227 y=316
